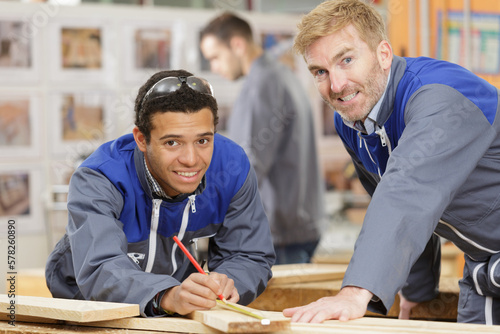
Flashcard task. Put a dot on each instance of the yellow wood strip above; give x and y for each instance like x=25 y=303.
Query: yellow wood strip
x=160 y=324
x=306 y=272
x=233 y=322
x=164 y=324
x=24 y=328
x=381 y=325
x=67 y=309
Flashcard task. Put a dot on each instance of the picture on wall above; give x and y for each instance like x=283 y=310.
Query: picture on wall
x=148 y=47
x=81 y=122
x=152 y=48
x=15 y=50
x=20 y=189
x=79 y=51
x=484 y=49
x=82 y=117
x=15 y=123
x=19 y=126
x=81 y=48
x=14 y=193
x=18 y=48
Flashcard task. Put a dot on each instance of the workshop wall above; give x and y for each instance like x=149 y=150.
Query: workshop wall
x=68 y=79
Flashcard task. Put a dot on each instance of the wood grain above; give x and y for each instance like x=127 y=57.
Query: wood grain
x=160 y=324
x=384 y=325
x=68 y=309
x=233 y=322
x=165 y=324
x=358 y=326
x=306 y=272
x=24 y=328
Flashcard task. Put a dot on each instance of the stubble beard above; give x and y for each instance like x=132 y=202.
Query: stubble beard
x=373 y=89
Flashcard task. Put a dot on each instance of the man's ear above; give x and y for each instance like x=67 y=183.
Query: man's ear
x=140 y=139
x=238 y=45
x=384 y=55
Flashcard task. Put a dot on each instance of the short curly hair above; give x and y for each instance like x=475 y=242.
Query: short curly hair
x=184 y=100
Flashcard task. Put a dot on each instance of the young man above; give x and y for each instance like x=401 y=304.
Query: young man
x=272 y=120
x=424 y=136
x=174 y=176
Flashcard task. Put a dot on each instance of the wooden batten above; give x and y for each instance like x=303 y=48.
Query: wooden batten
x=67 y=309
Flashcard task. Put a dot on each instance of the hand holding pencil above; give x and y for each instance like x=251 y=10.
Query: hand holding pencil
x=193 y=261
x=198 y=292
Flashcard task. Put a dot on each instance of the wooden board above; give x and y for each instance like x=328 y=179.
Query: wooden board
x=165 y=324
x=159 y=324
x=281 y=296
x=306 y=272
x=24 y=328
x=212 y=321
x=68 y=309
x=233 y=322
x=358 y=326
x=390 y=326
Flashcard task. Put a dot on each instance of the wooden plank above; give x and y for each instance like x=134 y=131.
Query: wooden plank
x=203 y=322
x=23 y=328
x=68 y=309
x=160 y=324
x=384 y=325
x=358 y=326
x=233 y=322
x=306 y=272
x=280 y=296
x=165 y=324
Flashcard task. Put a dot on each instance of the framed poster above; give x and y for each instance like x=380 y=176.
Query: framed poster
x=20 y=201
x=19 y=126
x=485 y=41
x=18 y=47
x=81 y=122
x=149 y=48
x=80 y=51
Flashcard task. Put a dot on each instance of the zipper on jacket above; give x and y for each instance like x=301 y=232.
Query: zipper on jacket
x=195 y=240
x=193 y=206
x=384 y=138
x=155 y=217
x=184 y=223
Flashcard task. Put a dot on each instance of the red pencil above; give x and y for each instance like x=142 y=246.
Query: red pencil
x=193 y=261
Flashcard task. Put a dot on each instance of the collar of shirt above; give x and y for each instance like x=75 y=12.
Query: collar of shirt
x=157 y=189
x=368 y=126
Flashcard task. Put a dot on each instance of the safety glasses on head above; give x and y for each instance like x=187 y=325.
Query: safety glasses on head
x=171 y=84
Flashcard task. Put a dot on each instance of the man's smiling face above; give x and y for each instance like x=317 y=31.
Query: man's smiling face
x=180 y=149
x=349 y=76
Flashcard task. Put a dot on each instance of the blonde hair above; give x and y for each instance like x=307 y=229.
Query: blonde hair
x=332 y=16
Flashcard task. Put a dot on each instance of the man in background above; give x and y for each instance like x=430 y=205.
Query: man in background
x=272 y=119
